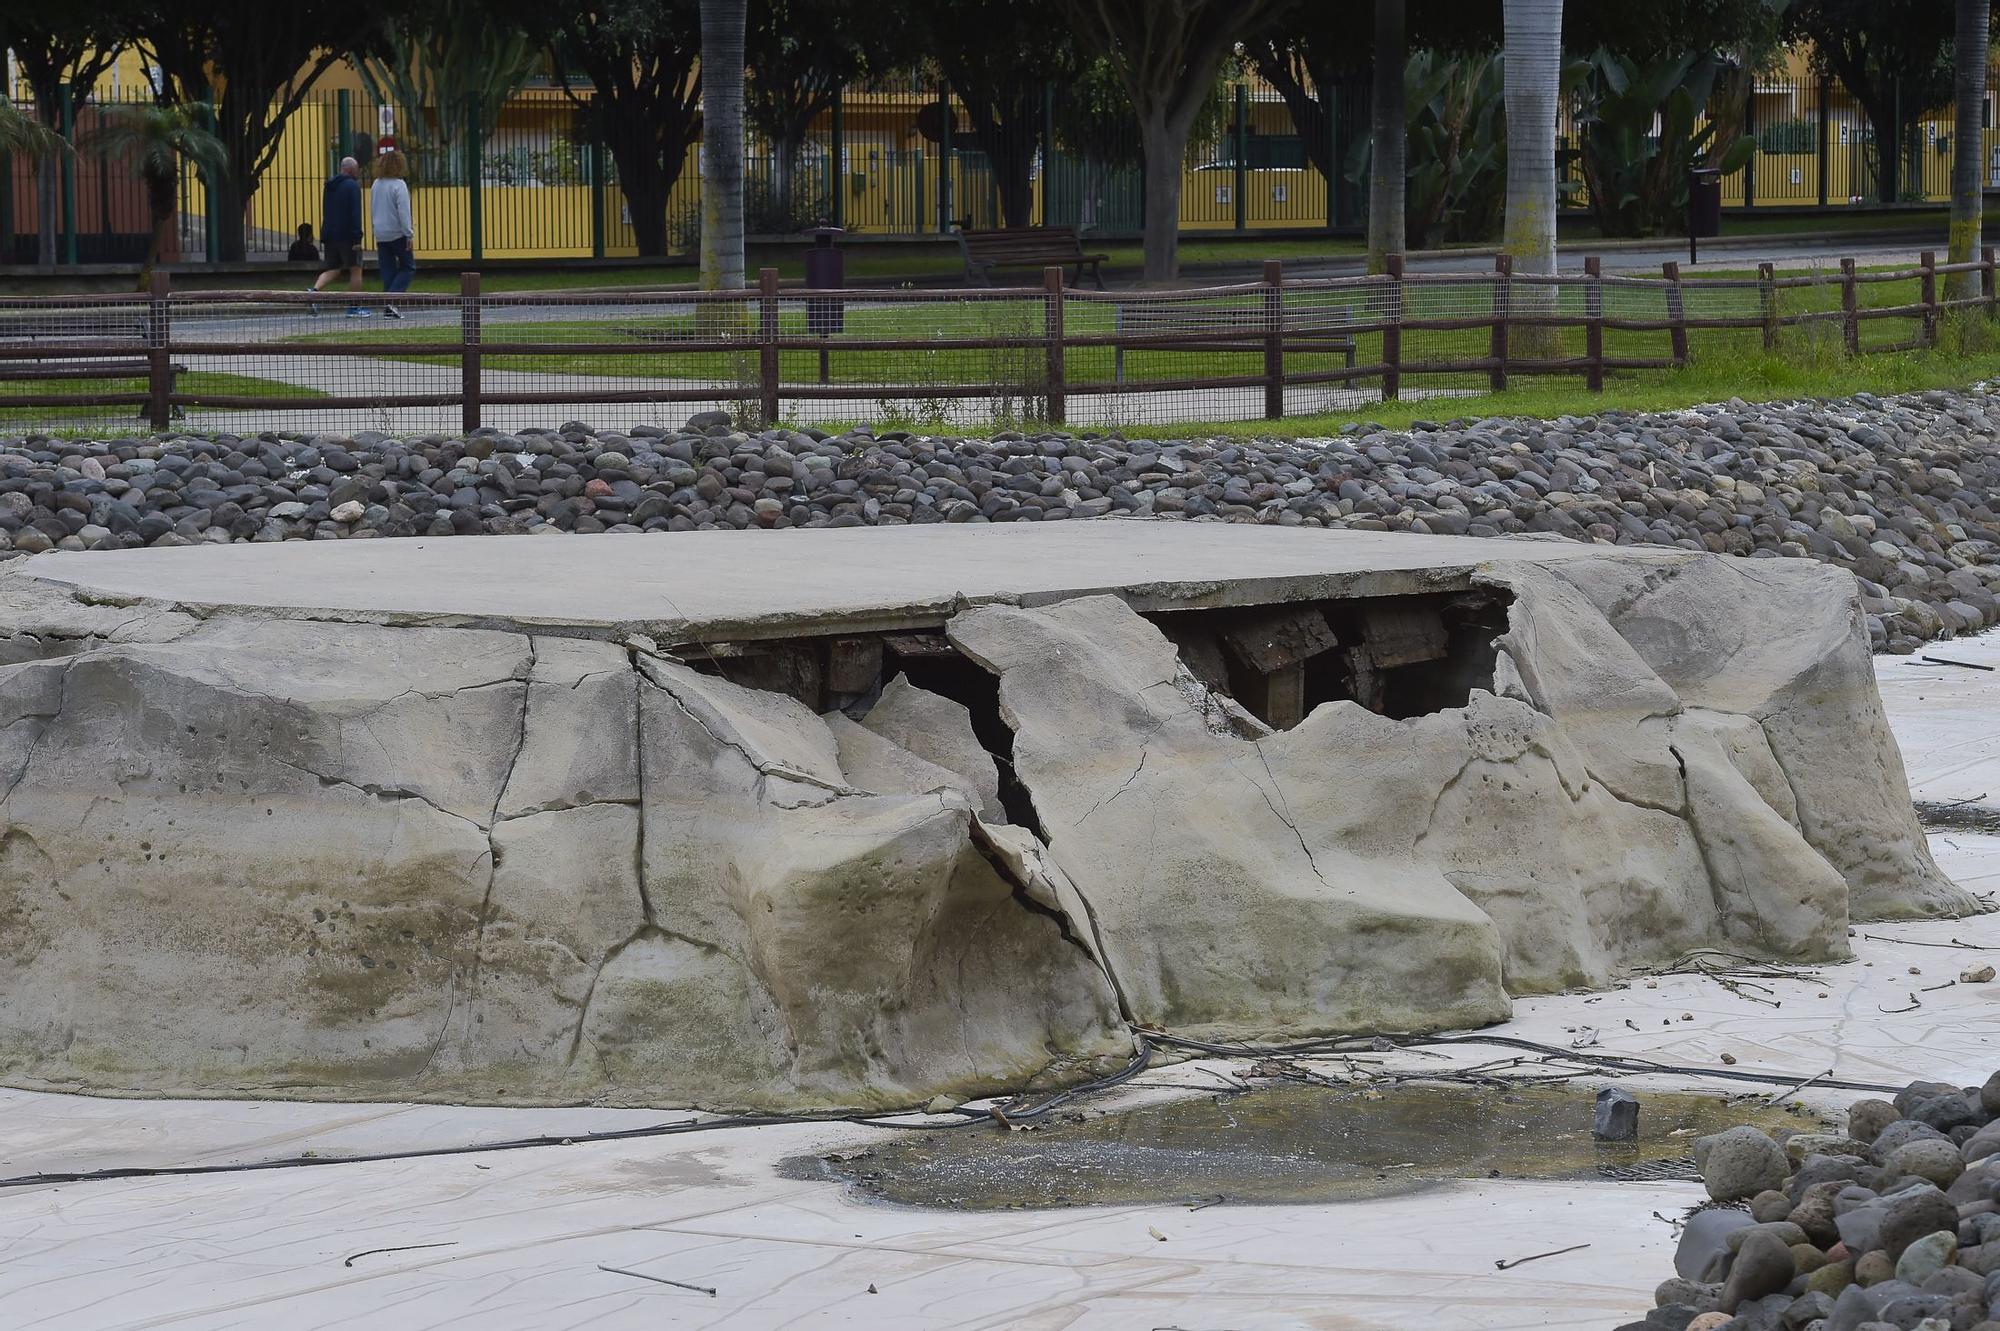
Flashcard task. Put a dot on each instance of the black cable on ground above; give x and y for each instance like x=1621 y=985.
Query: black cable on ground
x=1009 y=1111
x=1361 y=1044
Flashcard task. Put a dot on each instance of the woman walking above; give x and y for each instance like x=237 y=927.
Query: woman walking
x=389 y=212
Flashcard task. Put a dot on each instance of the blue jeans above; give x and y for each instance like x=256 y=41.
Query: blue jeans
x=398 y=266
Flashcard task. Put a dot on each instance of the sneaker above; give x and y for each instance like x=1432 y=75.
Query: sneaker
x=391 y=312
x=356 y=312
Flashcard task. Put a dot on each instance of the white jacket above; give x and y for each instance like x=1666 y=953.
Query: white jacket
x=389 y=209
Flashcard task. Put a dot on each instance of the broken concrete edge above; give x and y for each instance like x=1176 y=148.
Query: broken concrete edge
x=1093 y=693
x=120 y=579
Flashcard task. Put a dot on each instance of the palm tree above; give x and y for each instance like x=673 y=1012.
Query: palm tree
x=155 y=140
x=25 y=136
x=722 y=23
x=1967 y=199
x=1531 y=70
x=1386 y=132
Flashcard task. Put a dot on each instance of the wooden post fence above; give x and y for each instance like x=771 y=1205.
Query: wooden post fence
x=1593 y=327
x=767 y=345
x=468 y=351
x=1392 y=333
x=1503 y=305
x=1274 y=337
x=1052 y=327
x=1767 y=302
x=1850 y=318
x=1927 y=260
x=1677 y=329
x=159 y=366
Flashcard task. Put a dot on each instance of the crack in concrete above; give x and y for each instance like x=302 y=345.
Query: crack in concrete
x=1123 y=787
x=525 y=673
x=47 y=718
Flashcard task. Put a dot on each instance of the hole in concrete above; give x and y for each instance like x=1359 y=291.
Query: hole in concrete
x=1290 y=1143
x=828 y=674
x=969 y=684
x=1401 y=656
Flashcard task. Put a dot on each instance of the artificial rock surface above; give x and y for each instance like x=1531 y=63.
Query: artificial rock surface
x=242 y=853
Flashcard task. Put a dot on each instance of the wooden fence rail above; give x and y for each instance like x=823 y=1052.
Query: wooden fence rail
x=1282 y=330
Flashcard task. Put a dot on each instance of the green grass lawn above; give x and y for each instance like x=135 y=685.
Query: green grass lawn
x=202 y=382
x=923 y=322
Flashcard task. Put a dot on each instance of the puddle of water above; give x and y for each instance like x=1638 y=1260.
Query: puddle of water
x=1287 y=1143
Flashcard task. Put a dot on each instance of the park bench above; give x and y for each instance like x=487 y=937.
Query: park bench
x=19 y=363
x=1237 y=327
x=1027 y=247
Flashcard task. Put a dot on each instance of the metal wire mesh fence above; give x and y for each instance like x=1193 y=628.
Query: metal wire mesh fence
x=938 y=359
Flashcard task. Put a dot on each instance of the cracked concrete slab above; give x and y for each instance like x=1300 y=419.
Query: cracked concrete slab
x=252 y=841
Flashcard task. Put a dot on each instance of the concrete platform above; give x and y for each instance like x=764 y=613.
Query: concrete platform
x=701 y=585
x=519 y=821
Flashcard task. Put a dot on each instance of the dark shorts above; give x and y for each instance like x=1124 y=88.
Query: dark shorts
x=342 y=254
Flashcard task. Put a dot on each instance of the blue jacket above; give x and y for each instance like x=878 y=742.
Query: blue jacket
x=341 y=222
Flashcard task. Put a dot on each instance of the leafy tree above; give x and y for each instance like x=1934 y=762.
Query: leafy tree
x=643 y=59
x=437 y=60
x=264 y=57
x=722 y=24
x=999 y=57
x=1893 y=56
x=1639 y=138
x=1457 y=148
x=1969 y=55
x=61 y=48
x=154 y=140
x=1167 y=54
x=801 y=53
x=25 y=136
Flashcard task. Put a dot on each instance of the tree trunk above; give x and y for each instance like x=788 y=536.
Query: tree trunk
x=1387 y=154
x=1532 y=64
x=47 y=211
x=722 y=144
x=160 y=199
x=1968 y=144
x=1887 y=138
x=784 y=172
x=1164 y=152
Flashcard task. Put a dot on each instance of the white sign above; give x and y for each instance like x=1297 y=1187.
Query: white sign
x=1279 y=193
x=385 y=117
x=1798 y=176
x=1222 y=194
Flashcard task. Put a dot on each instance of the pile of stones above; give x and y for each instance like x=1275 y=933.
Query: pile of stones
x=1899 y=490
x=1894 y=1225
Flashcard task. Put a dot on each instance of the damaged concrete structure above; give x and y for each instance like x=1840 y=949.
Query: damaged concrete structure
x=857 y=818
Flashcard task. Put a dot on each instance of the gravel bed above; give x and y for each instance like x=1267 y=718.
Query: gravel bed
x=1898 y=490
x=1894 y=1223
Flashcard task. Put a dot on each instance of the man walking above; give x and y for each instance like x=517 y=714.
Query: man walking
x=340 y=231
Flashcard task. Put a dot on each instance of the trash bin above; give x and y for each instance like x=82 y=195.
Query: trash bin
x=1704 y=205
x=826 y=270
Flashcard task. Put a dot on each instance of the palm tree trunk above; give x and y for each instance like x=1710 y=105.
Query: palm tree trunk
x=722 y=24
x=1532 y=65
x=1386 y=172
x=1968 y=144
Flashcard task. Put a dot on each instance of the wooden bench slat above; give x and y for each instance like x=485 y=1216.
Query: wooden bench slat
x=1027 y=247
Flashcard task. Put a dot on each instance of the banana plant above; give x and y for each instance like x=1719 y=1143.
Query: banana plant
x=1639 y=135
x=1455 y=164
